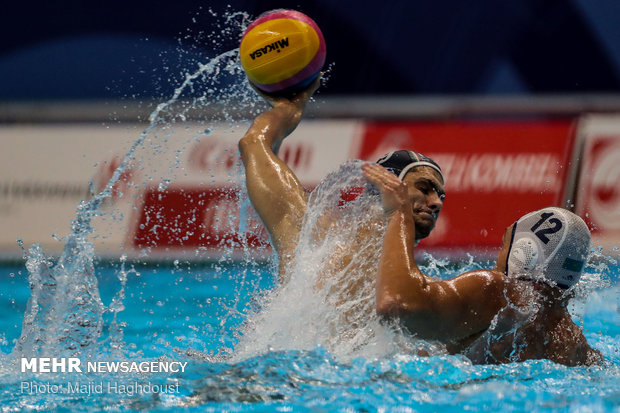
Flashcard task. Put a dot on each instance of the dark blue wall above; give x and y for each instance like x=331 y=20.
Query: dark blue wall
x=83 y=50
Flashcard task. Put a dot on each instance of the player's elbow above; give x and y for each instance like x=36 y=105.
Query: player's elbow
x=591 y=357
x=388 y=306
x=411 y=300
x=247 y=142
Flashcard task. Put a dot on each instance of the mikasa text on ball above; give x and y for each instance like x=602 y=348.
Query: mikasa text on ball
x=282 y=51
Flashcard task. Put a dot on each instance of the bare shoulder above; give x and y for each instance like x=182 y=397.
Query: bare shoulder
x=473 y=292
x=466 y=304
x=480 y=282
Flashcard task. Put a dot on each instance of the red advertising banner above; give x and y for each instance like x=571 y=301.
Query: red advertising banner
x=495 y=171
x=181 y=198
x=195 y=219
x=598 y=198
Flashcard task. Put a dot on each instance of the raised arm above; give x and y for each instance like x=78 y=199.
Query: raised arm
x=444 y=310
x=273 y=188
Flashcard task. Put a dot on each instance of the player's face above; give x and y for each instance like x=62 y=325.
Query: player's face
x=426 y=192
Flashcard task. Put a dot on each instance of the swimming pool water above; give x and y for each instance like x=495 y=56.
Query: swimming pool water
x=195 y=313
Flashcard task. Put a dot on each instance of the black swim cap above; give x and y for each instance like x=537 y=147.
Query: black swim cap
x=402 y=161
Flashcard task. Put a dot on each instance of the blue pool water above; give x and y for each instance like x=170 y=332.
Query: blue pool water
x=195 y=313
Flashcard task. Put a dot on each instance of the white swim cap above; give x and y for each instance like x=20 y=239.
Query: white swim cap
x=549 y=245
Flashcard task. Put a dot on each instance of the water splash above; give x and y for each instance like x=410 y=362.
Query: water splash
x=65 y=311
x=327 y=295
x=116 y=306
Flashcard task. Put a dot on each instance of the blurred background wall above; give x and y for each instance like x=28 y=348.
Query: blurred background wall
x=126 y=49
x=481 y=85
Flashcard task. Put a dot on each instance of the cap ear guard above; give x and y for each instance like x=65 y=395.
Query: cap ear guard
x=524 y=256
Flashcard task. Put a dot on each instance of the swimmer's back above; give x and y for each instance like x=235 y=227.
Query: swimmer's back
x=529 y=329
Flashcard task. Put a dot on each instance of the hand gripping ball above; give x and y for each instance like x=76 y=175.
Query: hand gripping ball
x=282 y=51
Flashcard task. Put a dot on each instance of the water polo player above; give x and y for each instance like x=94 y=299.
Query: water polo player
x=281 y=201
x=515 y=312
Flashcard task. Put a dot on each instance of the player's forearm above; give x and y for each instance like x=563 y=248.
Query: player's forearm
x=400 y=285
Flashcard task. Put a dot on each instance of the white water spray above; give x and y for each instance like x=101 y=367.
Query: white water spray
x=65 y=311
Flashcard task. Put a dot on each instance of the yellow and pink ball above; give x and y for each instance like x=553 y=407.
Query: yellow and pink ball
x=282 y=51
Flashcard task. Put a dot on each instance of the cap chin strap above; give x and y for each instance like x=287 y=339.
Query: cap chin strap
x=512 y=239
x=419 y=163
